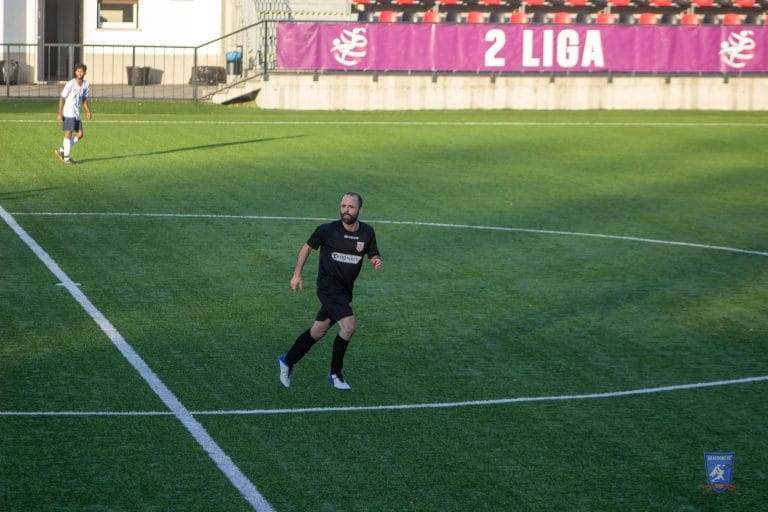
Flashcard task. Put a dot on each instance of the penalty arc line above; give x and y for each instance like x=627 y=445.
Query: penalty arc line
x=195 y=428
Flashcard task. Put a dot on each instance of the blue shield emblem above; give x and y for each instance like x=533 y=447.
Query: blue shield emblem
x=719 y=468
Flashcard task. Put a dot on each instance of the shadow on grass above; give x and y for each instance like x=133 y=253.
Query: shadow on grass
x=21 y=194
x=189 y=148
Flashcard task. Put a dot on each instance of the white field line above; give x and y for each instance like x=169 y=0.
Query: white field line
x=221 y=459
x=399 y=407
x=113 y=118
x=406 y=223
x=440 y=225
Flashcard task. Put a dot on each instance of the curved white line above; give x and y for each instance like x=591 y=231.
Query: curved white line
x=502 y=401
x=405 y=223
x=438 y=405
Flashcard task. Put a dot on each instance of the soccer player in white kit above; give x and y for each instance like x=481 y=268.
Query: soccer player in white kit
x=73 y=97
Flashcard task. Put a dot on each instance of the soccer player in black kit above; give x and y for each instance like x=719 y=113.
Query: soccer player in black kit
x=343 y=244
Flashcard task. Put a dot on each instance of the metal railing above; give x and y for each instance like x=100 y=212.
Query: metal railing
x=141 y=71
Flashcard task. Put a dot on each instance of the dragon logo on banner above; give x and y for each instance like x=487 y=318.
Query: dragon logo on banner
x=350 y=47
x=738 y=50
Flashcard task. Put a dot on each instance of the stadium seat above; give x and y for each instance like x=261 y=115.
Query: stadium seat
x=702 y=3
x=402 y=2
x=619 y=3
x=744 y=3
x=647 y=18
x=362 y=1
x=577 y=3
x=689 y=18
x=534 y=2
x=667 y=18
x=605 y=18
x=518 y=17
x=731 y=18
x=475 y=17
x=562 y=18
x=387 y=17
x=431 y=17
x=661 y=3
x=490 y=2
x=448 y=2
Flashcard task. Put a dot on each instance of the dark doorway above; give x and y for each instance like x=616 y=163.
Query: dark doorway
x=62 y=38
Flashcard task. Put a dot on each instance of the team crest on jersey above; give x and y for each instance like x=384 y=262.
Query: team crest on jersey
x=360 y=246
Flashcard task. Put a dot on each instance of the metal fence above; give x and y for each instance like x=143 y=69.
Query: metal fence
x=140 y=72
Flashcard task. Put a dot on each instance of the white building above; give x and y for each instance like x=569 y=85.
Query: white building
x=47 y=37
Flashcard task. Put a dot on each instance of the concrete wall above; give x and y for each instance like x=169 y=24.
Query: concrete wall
x=397 y=92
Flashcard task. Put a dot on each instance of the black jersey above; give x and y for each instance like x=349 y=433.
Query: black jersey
x=341 y=255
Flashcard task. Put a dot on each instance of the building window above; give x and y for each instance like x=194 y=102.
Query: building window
x=118 y=13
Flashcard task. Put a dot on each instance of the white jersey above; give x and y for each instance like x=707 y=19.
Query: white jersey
x=73 y=95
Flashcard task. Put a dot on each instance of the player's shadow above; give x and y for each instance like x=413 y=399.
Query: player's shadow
x=189 y=148
x=21 y=194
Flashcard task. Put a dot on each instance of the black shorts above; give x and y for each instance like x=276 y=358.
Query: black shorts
x=71 y=124
x=334 y=306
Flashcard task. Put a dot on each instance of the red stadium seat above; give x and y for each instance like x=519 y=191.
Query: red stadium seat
x=619 y=3
x=402 y=2
x=490 y=2
x=647 y=18
x=744 y=3
x=475 y=17
x=431 y=17
x=562 y=18
x=534 y=2
x=605 y=18
x=661 y=3
x=702 y=3
x=362 y=1
x=689 y=18
x=577 y=3
x=518 y=17
x=731 y=18
x=448 y=2
x=387 y=17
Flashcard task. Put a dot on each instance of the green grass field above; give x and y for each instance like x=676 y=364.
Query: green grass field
x=537 y=266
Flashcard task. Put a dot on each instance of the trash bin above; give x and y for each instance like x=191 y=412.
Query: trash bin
x=9 y=72
x=137 y=75
x=235 y=62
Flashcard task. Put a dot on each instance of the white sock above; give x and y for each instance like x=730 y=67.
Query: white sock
x=67 y=147
x=74 y=140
